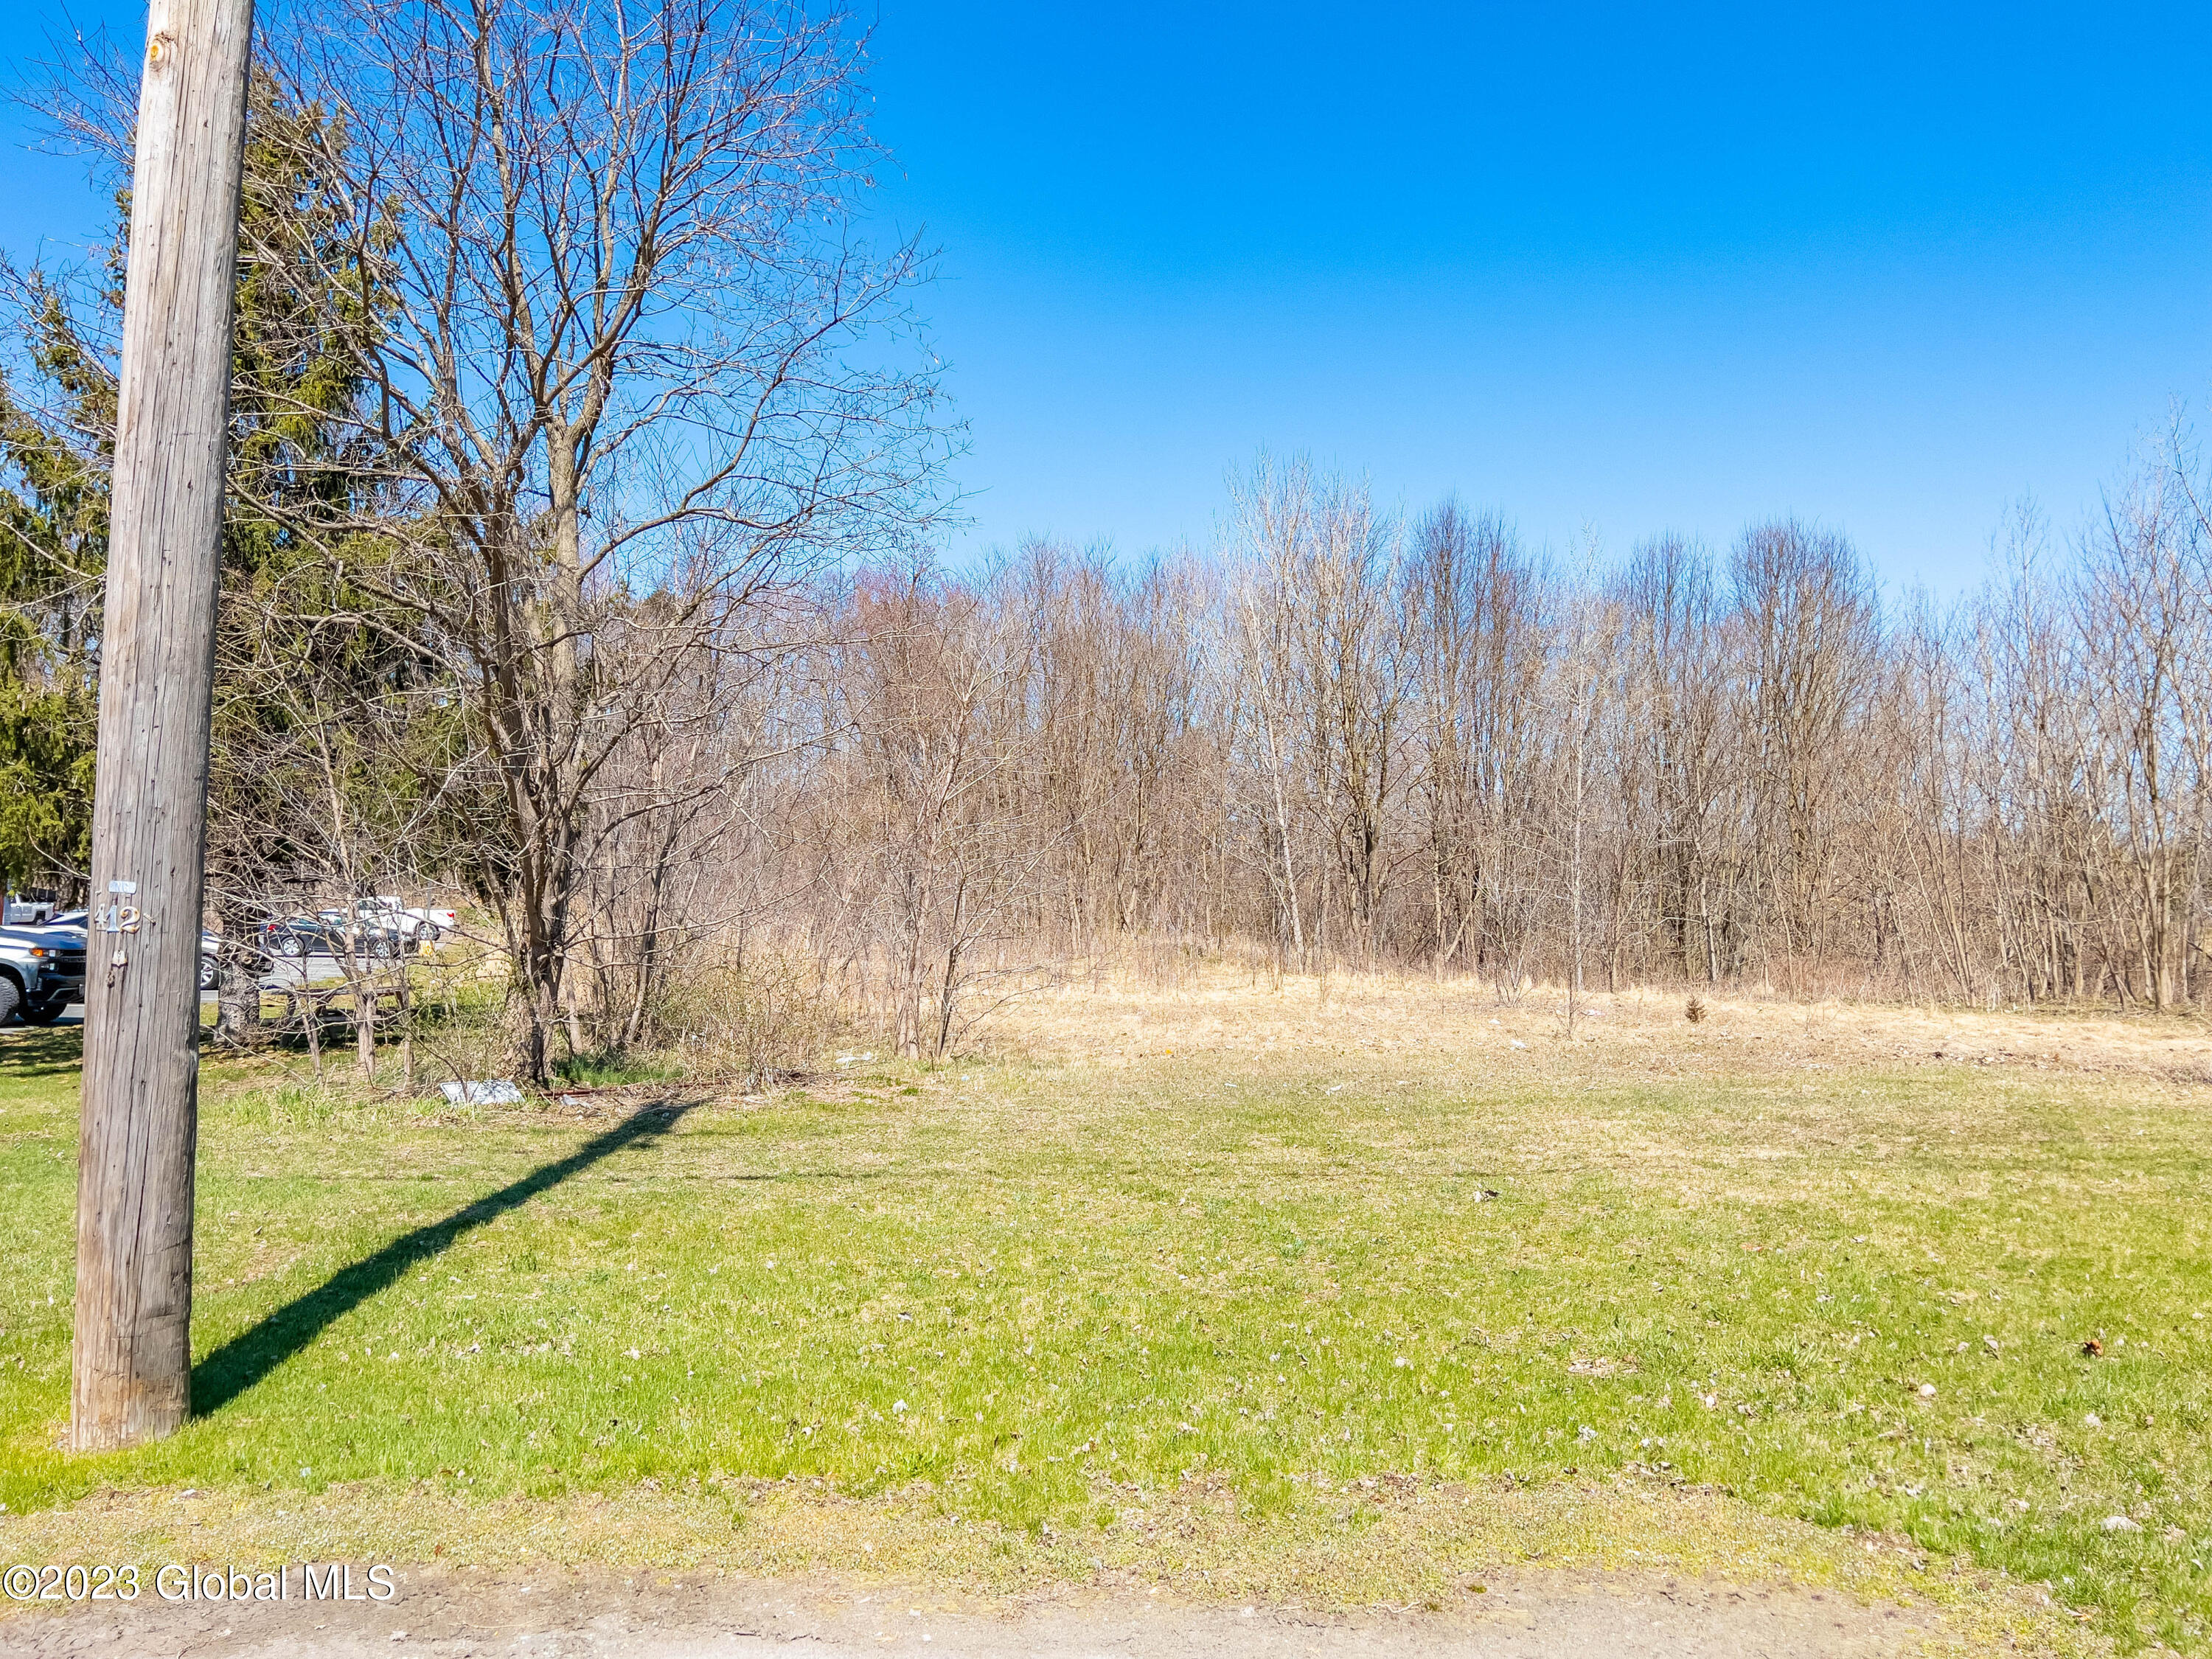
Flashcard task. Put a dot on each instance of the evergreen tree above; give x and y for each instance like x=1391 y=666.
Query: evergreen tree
x=293 y=476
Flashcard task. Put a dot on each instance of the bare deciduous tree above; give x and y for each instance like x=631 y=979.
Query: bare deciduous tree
x=614 y=400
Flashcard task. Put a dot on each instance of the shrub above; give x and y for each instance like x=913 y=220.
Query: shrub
x=767 y=1020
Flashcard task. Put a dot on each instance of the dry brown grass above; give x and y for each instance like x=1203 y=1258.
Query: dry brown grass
x=1115 y=1014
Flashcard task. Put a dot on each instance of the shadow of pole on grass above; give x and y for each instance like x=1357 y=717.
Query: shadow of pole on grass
x=260 y=1348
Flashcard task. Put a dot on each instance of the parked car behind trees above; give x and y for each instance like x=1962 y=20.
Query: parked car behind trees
x=388 y=913
x=299 y=937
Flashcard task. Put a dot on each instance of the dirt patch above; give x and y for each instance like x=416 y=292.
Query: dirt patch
x=441 y=1612
x=1561 y=1569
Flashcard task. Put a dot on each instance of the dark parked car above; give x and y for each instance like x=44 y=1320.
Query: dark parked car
x=305 y=936
x=41 y=972
x=257 y=961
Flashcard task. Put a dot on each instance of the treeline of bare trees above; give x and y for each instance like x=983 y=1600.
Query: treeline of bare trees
x=580 y=460
x=1351 y=737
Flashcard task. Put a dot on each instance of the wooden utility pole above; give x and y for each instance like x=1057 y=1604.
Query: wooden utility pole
x=131 y=1379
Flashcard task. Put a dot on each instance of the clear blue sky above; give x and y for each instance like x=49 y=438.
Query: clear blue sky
x=1638 y=267
x=1641 y=266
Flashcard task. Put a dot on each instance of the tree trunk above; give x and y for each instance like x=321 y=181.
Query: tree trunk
x=237 y=985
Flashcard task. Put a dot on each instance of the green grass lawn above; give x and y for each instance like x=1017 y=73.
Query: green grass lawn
x=1034 y=1287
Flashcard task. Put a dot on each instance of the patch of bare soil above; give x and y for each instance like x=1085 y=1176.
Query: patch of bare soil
x=1521 y=1615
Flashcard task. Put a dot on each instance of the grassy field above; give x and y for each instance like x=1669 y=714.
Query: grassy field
x=1302 y=1256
